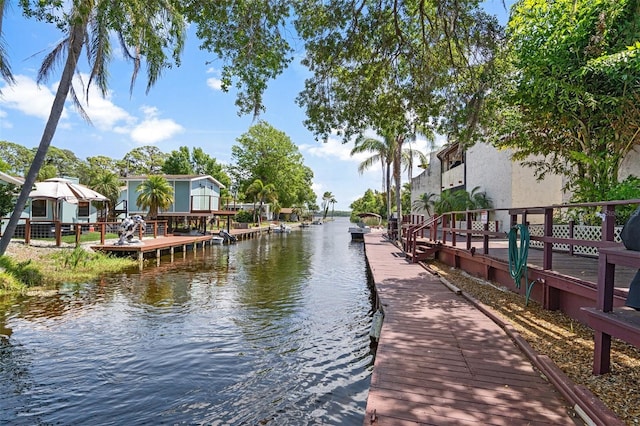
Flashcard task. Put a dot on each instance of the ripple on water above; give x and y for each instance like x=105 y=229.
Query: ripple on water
x=273 y=330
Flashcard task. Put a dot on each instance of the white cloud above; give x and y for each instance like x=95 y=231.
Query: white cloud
x=317 y=187
x=104 y=114
x=29 y=98
x=153 y=129
x=333 y=148
x=214 y=83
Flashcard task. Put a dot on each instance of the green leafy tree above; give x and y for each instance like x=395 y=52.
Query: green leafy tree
x=142 y=161
x=17 y=157
x=572 y=96
x=397 y=68
x=94 y=166
x=47 y=171
x=269 y=155
x=90 y=24
x=178 y=162
x=155 y=194
x=64 y=160
x=7 y=198
x=183 y=162
x=250 y=39
x=371 y=202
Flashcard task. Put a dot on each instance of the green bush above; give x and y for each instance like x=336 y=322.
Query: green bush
x=9 y=283
x=26 y=272
x=244 y=216
x=76 y=256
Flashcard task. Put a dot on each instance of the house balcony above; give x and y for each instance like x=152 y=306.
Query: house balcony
x=453 y=178
x=204 y=204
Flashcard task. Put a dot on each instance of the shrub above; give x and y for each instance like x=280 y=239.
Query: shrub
x=244 y=216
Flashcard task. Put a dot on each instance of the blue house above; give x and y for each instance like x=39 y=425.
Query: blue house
x=196 y=198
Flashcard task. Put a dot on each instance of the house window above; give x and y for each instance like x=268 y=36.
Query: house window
x=83 y=209
x=39 y=208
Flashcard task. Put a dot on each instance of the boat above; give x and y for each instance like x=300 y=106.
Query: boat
x=217 y=239
x=281 y=229
x=357 y=232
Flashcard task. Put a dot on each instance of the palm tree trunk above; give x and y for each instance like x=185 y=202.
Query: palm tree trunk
x=398 y=178
x=75 y=48
x=388 y=173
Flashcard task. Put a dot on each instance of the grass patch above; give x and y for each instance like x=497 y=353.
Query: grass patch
x=54 y=266
x=85 y=237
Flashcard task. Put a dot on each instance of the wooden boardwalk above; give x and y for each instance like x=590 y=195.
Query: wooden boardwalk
x=441 y=361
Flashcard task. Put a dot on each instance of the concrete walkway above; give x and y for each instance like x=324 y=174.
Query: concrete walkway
x=441 y=361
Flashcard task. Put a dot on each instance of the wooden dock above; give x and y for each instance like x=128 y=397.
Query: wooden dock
x=158 y=246
x=442 y=361
x=169 y=244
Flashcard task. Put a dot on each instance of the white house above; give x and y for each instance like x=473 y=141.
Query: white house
x=507 y=183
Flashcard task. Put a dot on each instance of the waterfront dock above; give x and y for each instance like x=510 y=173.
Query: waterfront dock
x=169 y=244
x=442 y=361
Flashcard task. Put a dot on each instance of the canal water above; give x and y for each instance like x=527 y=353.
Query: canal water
x=270 y=331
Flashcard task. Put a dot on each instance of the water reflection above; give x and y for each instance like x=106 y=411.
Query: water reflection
x=269 y=331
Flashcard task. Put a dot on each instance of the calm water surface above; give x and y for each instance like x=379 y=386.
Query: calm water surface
x=267 y=331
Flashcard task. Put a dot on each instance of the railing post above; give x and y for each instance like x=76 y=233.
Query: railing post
x=27 y=231
x=547 y=248
x=453 y=227
x=469 y=234
x=78 y=231
x=609 y=222
x=103 y=231
x=445 y=219
x=58 y=233
x=572 y=224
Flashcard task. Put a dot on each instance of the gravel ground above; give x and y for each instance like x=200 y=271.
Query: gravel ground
x=567 y=342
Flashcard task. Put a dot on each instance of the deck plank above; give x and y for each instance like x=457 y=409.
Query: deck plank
x=441 y=361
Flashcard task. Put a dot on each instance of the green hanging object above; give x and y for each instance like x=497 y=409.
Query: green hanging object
x=518 y=254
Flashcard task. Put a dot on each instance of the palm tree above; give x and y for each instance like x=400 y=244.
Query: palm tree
x=383 y=152
x=155 y=193
x=326 y=199
x=261 y=193
x=425 y=202
x=5 y=69
x=108 y=184
x=90 y=24
x=479 y=200
x=332 y=201
x=408 y=155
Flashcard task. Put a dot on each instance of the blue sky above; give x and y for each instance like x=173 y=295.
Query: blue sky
x=185 y=108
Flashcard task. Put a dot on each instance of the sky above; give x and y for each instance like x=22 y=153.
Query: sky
x=186 y=107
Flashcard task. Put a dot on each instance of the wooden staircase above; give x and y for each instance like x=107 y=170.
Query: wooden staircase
x=424 y=250
x=419 y=241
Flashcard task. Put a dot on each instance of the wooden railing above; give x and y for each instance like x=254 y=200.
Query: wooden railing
x=600 y=305
x=30 y=229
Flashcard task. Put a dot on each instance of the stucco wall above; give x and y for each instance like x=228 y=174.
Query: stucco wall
x=490 y=169
x=528 y=191
x=427 y=182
